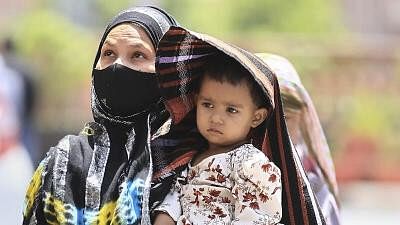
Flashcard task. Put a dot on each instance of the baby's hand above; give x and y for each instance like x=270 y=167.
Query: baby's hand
x=163 y=218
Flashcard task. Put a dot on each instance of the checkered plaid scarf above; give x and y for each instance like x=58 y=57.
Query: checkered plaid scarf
x=180 y=56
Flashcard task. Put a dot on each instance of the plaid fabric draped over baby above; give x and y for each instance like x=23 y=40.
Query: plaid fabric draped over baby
x=180 y=56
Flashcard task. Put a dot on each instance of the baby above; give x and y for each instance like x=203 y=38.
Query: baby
x=229 y=181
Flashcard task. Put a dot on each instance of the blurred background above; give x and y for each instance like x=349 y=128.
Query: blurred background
x=347 y=53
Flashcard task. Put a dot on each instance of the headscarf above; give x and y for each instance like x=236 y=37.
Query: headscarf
x=155 y=22
x=311 y=144
x=180 y=56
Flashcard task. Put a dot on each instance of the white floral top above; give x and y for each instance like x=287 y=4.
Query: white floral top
x=238 y=187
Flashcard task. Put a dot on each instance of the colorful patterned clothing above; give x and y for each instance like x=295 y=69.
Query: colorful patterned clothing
x=238 y=187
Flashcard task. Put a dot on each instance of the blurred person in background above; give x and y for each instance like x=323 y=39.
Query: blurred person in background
x=29 y=136
x=106 y=173
x=307 y=135
x=15 y=165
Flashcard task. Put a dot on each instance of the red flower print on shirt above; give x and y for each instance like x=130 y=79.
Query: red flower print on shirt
x=221 y=178
x=214 y=193
x=266 y=167
x=248 y=197
x=218 y=169
x=272 y=178
x=211 y=178
x=209 y=165
x=277 y=188
x=254 y=205
x=263 y=197
x=218 y=211
x=207 y=199
x=197 y=194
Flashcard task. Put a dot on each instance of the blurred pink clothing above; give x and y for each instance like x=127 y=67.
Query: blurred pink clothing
x=15 y=164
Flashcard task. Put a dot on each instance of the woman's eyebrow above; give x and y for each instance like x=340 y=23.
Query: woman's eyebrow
x=137 y=45
x=108 y=42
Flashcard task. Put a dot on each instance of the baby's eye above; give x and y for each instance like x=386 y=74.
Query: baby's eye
x=232 y=110
x=207 y=105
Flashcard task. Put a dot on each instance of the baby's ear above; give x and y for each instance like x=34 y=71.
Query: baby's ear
x=259 y=117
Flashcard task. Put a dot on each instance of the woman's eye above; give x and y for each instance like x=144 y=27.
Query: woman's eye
x=232 y=110
x=138 y=55
x=207 y=105
x=108 y=53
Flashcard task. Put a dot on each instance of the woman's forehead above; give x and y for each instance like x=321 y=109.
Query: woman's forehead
x=127 y=32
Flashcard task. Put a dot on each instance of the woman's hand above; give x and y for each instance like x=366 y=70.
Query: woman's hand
x=163 y=218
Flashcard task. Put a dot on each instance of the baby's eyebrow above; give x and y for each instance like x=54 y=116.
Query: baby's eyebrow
x=234 y=105
x=205 y=98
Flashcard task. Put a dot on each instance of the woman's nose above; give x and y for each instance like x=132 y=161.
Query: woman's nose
x=119 y=61
x=124 y=62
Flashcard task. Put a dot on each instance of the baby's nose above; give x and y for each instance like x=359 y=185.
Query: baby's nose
x=216 y=119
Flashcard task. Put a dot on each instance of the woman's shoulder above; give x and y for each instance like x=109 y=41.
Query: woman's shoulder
x=74 y=146
x=73 y=149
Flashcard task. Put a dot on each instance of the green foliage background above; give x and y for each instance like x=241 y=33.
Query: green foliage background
x=310 y=33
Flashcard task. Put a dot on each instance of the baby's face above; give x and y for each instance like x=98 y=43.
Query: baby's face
x=226 y=112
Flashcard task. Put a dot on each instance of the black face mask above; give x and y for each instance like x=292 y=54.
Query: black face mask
x=123 y=91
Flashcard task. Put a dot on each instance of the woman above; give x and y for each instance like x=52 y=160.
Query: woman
x=105 y=175
x=181 y=55
x=307 y=135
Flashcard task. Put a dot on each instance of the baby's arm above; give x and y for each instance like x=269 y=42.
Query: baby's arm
x=257 y=190
x=163 y=218
x=170 y=209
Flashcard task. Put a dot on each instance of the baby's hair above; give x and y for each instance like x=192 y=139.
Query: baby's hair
x=223 y=68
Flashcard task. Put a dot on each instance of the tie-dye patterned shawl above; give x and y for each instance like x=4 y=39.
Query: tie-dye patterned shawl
x=180 y=56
